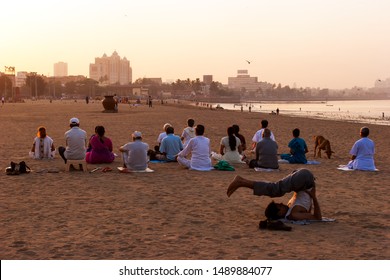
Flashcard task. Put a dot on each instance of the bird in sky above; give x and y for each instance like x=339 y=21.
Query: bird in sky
x=248 y=61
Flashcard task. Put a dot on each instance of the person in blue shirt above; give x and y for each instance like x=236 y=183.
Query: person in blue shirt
x=298 y=149
x=170 y=146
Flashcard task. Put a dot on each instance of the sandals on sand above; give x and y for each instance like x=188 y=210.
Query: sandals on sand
x=106 y=169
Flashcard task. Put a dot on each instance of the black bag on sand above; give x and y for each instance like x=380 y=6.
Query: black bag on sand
x=23 y=168
x=17 y=168
x=274 y=225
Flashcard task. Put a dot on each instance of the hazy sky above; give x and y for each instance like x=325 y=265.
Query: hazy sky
x=315 y=43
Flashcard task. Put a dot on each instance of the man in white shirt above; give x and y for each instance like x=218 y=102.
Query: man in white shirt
x=76 y=142
x=363 y=152
x=188 y=132
x=200 y=150
x=259 y=134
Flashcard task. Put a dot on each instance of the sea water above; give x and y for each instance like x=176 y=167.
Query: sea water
x=370 y=111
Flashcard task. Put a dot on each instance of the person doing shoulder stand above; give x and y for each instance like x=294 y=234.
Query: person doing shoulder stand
x=300 y=181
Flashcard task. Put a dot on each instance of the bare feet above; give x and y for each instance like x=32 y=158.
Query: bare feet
x=234 y=185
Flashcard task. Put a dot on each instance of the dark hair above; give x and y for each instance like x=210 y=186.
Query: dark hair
x=40 y=130
x=199 y=129
x=272 y=210
x=170 y=130
x=232 y=138
x=190 y=122
x=236 y=129
x=296 y=132
x=364 y=131
x=100 y=130
x=264 y=123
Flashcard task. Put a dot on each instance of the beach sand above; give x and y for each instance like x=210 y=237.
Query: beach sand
x=174 y=213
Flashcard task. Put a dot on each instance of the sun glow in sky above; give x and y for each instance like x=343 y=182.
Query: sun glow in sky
x=315 y=43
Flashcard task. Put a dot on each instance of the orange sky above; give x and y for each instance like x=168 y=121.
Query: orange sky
x=334 y=44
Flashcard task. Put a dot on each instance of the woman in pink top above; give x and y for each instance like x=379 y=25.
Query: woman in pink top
x=100 y=148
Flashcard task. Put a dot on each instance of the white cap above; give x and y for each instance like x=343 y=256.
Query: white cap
x=166 y=125
x=137 y=134
x=74 y=121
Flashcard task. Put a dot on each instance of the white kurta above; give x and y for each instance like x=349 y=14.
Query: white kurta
x=259 y=135
x=364 y=150
x=45 y=151
x=200 y=150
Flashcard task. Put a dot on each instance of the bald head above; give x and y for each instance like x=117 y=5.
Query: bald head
x=266 y=133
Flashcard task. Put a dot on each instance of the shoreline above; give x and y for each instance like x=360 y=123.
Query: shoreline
x=315 y=114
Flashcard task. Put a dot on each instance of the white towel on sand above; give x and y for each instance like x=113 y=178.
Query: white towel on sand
x=308 y=162
x=346 y=168
x=307 y=222
x=125 y=170
x=265 y=169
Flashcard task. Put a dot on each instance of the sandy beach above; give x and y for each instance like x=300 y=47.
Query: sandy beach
x=174 y=213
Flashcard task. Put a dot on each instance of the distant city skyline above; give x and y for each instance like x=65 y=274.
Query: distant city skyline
x=307 y=43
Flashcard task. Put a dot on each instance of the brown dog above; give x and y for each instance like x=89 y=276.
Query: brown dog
x=322 y=144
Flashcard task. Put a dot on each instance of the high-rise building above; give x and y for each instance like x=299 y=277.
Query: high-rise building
x=111 y=70
x=207 y=79
x=243 y=80
x=60 y=69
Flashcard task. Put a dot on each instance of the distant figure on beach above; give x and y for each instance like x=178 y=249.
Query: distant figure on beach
x=259 y=134
x=134 y=154
x=188 y=132
x=87 y=99
x=150 y=102
x=43 y=145
x=100 y=150
x=301 y=182
x=298 y=149
x=116 y=99
x=76 y=142
x=266 y=153
x=277 y=111
x=230 y=147
x=170 y=146
x=362 y=152
x=236 y=129
x=2 y=100
x=200 y=150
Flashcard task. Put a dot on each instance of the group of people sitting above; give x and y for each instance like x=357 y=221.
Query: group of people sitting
x=192 y=142
x=173 y=148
